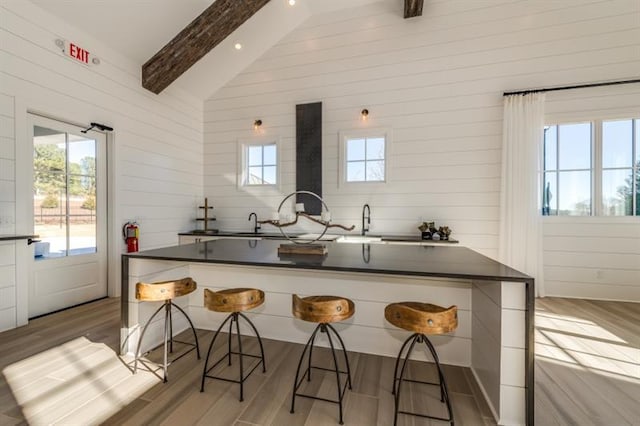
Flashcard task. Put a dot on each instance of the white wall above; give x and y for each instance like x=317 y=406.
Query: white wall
x=157 y=139
x=593 y=257
x=436 y=81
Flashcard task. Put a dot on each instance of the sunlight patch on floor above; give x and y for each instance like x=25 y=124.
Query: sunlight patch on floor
x=78 y=382
x=582 y=344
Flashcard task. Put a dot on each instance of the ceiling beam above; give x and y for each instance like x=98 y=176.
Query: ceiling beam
x=412 y=8
x=197 y=39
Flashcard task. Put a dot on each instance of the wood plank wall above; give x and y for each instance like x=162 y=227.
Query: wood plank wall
x=7 y=214
x=435 y=81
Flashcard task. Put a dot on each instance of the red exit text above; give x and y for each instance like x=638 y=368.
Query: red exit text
x=78 y=53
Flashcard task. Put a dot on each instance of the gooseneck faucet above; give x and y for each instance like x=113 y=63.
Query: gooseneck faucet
x=256 y=227
x=366 y=214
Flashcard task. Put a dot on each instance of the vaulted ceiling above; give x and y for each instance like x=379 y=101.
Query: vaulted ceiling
x=138 y=29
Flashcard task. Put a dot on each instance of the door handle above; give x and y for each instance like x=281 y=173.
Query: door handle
x=31 y=241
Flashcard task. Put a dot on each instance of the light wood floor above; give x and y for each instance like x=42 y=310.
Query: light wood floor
x=586 y=374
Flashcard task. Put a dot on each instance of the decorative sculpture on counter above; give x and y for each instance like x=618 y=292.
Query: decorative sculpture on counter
x=430 y=232
x=304 y=246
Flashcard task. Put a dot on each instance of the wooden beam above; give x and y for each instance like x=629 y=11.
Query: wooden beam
x=197 y=39
x=412 y=8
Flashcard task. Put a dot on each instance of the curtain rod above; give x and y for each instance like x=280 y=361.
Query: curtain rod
x=577 y=86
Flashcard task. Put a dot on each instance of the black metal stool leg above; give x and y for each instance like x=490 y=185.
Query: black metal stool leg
x=443 y=383
x=395 y=370
x=335 y=363
x=295 y=383
x=404 y=365
x=229 y=337
x=344 y=350
x=215 y=336
x=144 y=330
x=310 y=356
x=195 y=335
x=170 y=328
x=264 y=366
x=167 y=316
x=235 y=317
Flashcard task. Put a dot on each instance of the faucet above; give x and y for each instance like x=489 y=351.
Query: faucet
x=256 y=227
x=366 y=214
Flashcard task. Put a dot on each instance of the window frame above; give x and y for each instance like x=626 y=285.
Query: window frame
x=346 y=135
x=597 y=144
x=243 y=162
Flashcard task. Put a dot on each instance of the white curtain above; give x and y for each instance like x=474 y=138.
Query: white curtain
x=520 y=216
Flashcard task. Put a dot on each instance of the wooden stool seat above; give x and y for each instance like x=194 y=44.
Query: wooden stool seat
x=422 y=318
x=164 y=290
x=322 y=309
x=233 y=299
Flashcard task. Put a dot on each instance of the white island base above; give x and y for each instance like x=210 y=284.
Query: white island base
x=490 y=338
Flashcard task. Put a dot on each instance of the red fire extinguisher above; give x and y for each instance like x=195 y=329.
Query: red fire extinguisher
x=131 y=233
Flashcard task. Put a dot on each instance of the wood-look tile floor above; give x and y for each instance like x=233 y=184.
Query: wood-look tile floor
x=586 y=374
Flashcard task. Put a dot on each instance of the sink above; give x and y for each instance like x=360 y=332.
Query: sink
x=359 y=239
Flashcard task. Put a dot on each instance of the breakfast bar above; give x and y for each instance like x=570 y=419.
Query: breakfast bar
x=495 y=302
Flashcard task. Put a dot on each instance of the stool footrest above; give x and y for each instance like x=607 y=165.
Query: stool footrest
x=342 y=391
x=425 y=416
x=418 y=381
x=233 y=380
x=215 y=364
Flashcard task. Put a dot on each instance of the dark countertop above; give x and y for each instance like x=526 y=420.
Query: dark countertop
x=12 y=237
x=433 y=261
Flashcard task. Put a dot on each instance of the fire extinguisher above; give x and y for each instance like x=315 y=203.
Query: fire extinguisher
x=131 y=233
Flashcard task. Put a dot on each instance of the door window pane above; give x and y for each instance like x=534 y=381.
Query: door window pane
x=617 y=143
x=637 y=126
x=617 y=192
x=574 y=194
x=64 y=192
x=575 y=146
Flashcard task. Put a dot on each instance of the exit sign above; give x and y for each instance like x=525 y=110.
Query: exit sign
x=76 y=52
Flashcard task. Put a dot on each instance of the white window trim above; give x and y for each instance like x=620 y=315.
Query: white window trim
x=243 y=145
x=343 y=136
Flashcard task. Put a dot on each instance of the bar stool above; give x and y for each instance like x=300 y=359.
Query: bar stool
x=166 y=291
x=323 y=310
x=235 y=301
x=423 y=319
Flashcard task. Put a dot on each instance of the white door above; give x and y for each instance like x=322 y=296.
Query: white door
x=69 y=215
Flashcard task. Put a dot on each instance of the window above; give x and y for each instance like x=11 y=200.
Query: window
x=364 y=157
x=259 y=164
x=64 y=197
x=592 y=168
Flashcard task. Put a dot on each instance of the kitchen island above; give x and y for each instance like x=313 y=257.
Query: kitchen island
x=495 y=302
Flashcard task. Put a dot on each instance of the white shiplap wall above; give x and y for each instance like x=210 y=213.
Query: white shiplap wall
x=7 y=214
x=593 y=257
x=436 y=81
x=157 y=140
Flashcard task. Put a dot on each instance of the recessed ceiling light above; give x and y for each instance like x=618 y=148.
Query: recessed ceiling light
x=238 y=46
x=292 y=2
